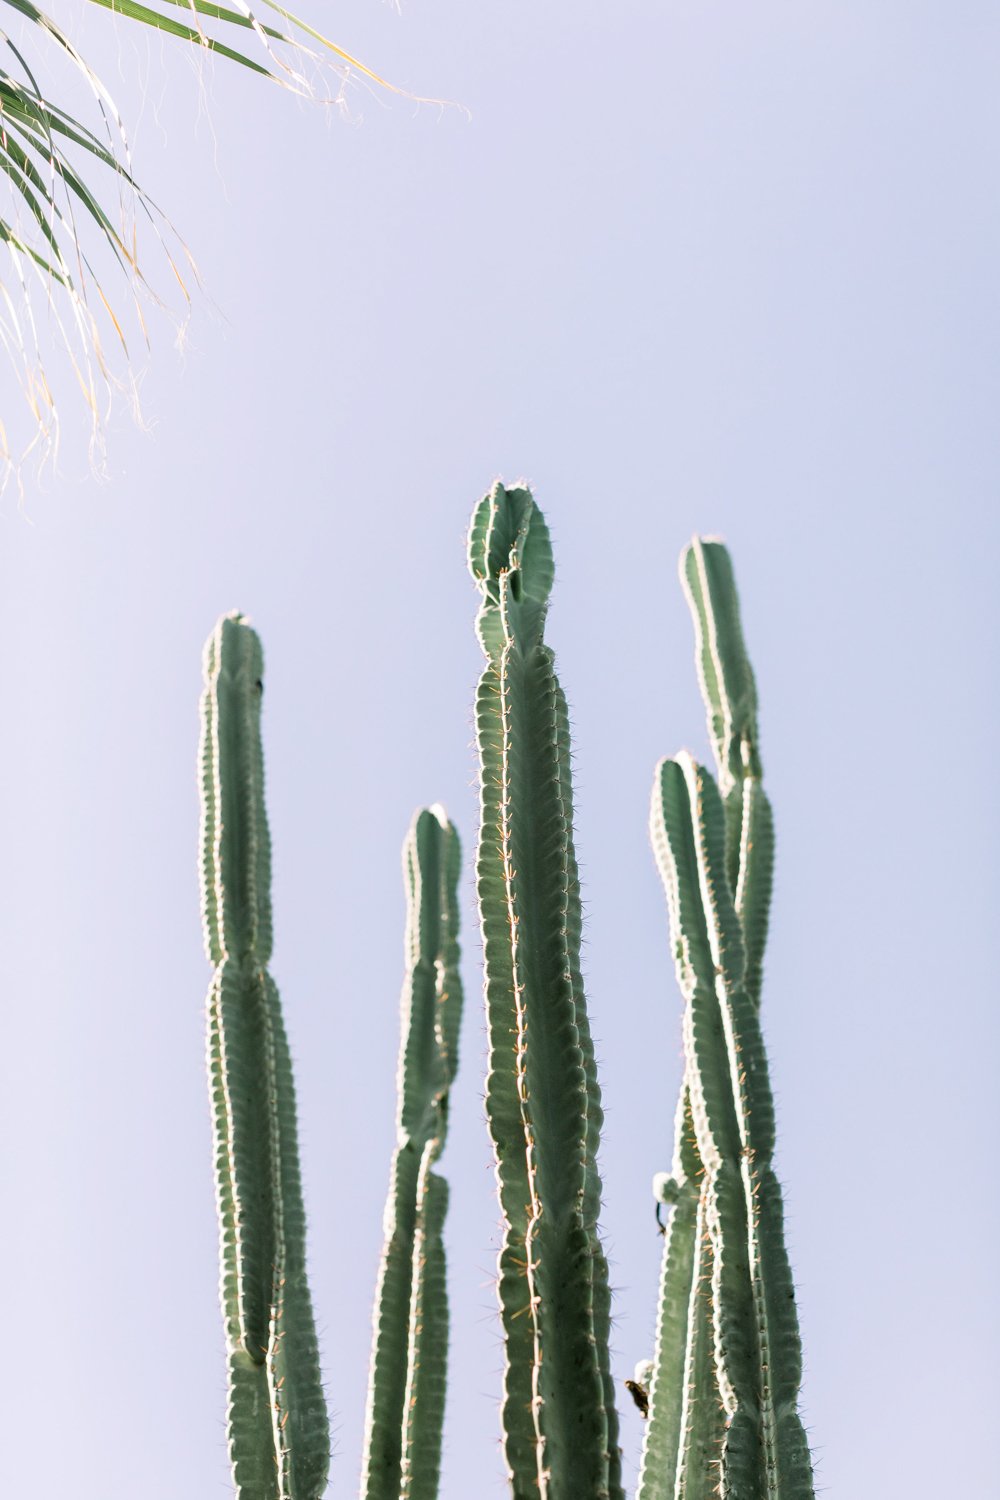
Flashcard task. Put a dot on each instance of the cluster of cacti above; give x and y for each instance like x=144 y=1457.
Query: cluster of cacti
x=722 y=1388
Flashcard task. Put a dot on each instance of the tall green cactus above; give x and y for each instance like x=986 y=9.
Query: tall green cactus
x=279 y=1439
x=727 y=1337
x=542 y=1098
x=406 y=1389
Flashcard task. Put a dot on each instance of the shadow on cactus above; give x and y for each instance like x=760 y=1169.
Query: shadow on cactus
x=720 y=1393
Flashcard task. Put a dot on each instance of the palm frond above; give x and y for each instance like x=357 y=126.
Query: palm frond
x=74 y=200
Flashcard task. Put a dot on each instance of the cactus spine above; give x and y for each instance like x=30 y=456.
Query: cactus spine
x=406 y=1391
x=736 y=1430
x=278 y=1429
x=542 y=1097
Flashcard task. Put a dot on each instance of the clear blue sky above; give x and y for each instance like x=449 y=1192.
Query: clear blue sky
x=717 y=267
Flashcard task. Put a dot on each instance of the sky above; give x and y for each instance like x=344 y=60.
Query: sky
x=726 y=269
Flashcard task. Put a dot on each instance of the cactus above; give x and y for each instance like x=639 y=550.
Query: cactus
x=542 y=1098
x=727 y=1338
x=730 y=695
x=279 y=1439
x=721 y=1392
x=409 y=1348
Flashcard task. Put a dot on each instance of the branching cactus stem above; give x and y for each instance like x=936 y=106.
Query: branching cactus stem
x=278 y=1431
x=757 y=1352
x=406 y=1391
x=542 y=1098
x=730 y=696
x=683 y=1434
x=739 y=1434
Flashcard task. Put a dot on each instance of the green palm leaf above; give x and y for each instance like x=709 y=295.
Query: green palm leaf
x=59 y=212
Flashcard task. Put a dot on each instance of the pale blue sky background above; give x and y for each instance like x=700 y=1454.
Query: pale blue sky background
x=718 y=267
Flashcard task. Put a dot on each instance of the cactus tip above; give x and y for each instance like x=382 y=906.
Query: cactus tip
x=508 y=534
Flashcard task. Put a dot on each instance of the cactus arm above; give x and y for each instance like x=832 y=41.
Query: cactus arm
x=703 y=1416
x=236 y=1004
x=755 y=876
x=569 y=1396
x=229 y=1290
x=299 y=1416
x=683 y=1436
x=758 y=1354
x=449 y=994
x=427 y=1352
x=426 y=1369
x=663 y=1433
x=595 y=1114
x=208 y=832
x=381 y=1470
x=543 y=1105
x=730 y=695
x=299 y=1422
x=235 y=844
x=503 y=1110
x=409 y=1344
x=250 y=1428
x=277 y=1421
x=724 y=670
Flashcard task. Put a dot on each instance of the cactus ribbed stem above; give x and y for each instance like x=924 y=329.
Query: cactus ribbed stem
x=692 y=1469
x=744 y=850
x=765 y=1455
x=279 y=1440
x=406 y=1391
x=542 y=1098
x=730 y=695
x=682 y=1437
x=503 y=1110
